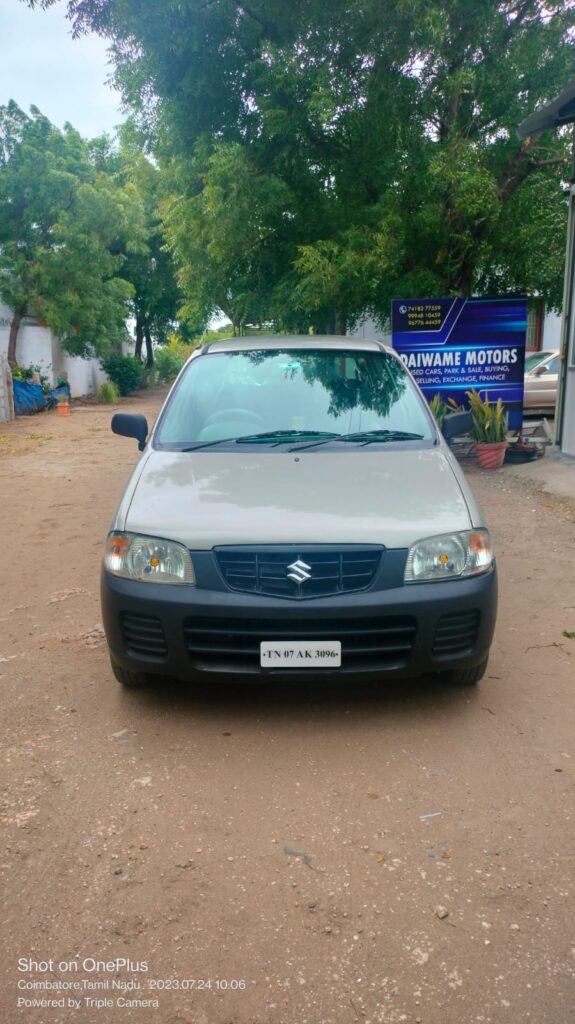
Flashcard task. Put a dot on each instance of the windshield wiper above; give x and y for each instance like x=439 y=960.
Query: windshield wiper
x=365 y=437
x=282 y=436
x=372 y=436
x=275 y=436
x=205 y=444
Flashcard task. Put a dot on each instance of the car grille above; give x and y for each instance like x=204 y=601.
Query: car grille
x=233 y=645
x=144 y=636
x=332 y=570
x=456 y=634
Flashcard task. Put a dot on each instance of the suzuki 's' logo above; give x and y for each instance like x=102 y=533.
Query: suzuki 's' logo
x=300 y=571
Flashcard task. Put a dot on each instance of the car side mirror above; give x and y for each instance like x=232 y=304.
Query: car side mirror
x=540 y=370
x=131 y=424
x=457 y=423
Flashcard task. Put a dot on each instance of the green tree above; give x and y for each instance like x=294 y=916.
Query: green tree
x=226 y=226
x=151 y=269
x=147 y=266
x=64 y=230
x=389 y=129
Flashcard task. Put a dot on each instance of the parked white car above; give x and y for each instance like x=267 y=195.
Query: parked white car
x=296 y=511
x=541 y=381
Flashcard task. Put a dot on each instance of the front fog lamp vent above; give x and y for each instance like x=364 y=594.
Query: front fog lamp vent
x=144 y=636
x=456 y=634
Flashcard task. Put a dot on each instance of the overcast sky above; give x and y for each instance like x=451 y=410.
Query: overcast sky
x=65 y=78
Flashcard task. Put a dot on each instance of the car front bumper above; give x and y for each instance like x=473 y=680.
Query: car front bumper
x=193 y=633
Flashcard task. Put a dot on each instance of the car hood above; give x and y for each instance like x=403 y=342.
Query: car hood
x=206 y=498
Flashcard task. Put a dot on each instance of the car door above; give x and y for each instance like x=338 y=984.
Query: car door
x=541 y=385
x=548 y=382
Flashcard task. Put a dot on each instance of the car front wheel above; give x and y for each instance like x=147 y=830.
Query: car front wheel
x=469 y=676
x=132 y=680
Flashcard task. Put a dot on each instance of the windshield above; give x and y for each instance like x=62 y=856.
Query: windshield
x=292 y=394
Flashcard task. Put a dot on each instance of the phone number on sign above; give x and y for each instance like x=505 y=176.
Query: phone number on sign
x=165 y=984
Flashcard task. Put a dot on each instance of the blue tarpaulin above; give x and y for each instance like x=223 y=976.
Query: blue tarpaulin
x=55 y=393
x=28 y=398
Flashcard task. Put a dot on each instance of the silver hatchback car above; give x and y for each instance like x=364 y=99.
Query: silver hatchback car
x=296 y=512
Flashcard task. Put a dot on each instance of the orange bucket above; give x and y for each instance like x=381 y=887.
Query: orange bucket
x=63 y=409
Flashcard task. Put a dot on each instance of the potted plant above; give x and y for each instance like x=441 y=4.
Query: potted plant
x=489 y=430
x=447 y=418
x=438 y=409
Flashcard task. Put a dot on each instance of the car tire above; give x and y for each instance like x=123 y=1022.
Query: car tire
x=469 y=676
x=132 y=680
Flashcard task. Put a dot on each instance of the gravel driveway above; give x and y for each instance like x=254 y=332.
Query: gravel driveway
x=294 y=855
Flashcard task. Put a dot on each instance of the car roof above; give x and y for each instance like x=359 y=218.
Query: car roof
x=294 y=341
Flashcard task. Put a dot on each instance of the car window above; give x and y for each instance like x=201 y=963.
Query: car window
x=553 y=366
x=233 y=394
x=533 y=359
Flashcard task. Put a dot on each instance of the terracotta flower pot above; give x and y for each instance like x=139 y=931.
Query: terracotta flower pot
x=490 y=455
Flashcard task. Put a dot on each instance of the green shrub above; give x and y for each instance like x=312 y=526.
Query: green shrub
x=124 y=371
x=27 y=373
x=108 y=393
x=168 y=362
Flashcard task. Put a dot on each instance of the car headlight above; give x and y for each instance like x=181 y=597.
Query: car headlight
x=449 y=556
x=149 y=559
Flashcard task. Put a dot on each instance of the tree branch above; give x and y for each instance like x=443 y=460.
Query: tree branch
x=516 y=22
x=549 y=163
x=517 y=170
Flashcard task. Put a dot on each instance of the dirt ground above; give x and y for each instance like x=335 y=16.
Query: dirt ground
x=276 y=856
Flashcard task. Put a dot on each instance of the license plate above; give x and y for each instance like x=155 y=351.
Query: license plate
x=300 y=654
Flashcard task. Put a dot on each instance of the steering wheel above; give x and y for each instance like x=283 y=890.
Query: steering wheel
x=232 y=415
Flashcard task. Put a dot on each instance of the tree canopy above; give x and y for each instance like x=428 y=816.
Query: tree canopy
x=324 y=158
x=81 y=241
x=64 y=230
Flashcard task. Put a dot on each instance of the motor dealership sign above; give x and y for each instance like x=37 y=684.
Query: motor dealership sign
x=456 y=345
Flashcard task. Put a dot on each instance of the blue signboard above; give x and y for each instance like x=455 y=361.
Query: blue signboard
x=456 y=345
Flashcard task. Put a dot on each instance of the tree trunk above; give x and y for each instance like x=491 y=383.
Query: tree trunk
x=464 y=280
x=339 y=322
x=13 y=337
x=139 y=338
x=149 y=350
x=335 y=323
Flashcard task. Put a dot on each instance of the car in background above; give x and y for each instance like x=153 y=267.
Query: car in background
x=296 y=512
x=541 y=381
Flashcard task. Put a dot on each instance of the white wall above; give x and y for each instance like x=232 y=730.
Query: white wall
x=551 y=333
x=34 y=342
x=84 y=375
x=6 y=391
x=37 y=346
